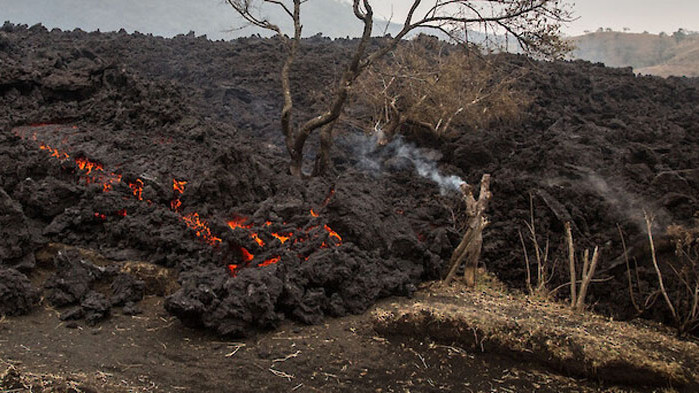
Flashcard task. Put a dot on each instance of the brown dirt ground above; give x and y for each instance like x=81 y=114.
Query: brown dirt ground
x=153 y=352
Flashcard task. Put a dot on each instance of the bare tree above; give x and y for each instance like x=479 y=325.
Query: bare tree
x=535 y=24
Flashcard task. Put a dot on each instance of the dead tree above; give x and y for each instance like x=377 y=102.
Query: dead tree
x=535 y=24
x=577 y=298
x=468 y=251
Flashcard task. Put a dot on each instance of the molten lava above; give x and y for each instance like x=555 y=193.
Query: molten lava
x=247 y=257
x=239 y=222
x=178 y=185
x=201 y=228
x=94 y=172
x=86 y=165
x=270 y=261
x=282 y=238
x=109 y=182
x=54 y=152
x=327 y=198
x=333 y=234
x=257 y=239
x=137 y=189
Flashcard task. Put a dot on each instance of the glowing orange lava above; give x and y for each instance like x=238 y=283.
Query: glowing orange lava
x=201 y=228
x=247 y=257
x=86 y=165
x=282 y=238
x=137 y=189
x=257 y=239
x=270 y=261
x=330 y=195
x=178 y=185
x=108 y=183
x=54 y=152
x=239 y=222
x=333 y=234
x=93 y=172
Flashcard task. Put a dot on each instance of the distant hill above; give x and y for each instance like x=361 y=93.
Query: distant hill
x=662 y=55
x=215 y=18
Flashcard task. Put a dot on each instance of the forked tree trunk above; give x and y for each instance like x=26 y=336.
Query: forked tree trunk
x=469 y=250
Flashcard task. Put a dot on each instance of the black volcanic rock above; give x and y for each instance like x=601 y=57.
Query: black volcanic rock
x=17 y=296
x=594 y=145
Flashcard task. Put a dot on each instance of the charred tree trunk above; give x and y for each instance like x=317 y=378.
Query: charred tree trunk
x=327 y=120
x=469 y=250
x=322 y=163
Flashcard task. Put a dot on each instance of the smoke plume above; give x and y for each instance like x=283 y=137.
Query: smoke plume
x=398 y=153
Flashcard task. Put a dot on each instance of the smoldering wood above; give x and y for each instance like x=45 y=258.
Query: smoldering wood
x=468 y=251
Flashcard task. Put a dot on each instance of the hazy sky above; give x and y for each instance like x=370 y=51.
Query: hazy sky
x=213 y=17
x=638 y=15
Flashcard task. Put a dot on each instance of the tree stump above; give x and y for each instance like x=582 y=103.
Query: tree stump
x=469 y=250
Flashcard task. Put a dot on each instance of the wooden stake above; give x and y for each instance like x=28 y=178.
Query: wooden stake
x=469 y=249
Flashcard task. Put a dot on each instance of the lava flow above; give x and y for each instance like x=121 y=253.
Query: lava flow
x=93 y=173
x=239 y=222
x=201 y=228
x=192 y=220
x=178 y=188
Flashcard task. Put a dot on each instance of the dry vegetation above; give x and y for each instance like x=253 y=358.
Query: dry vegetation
x=581 y=344
x=455 y=89
x=15 y=380
x=682 y=300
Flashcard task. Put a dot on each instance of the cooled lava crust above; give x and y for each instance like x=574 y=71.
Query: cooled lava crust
x=169 y=151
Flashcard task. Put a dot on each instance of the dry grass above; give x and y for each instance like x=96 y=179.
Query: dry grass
x=578 y=344
x=15 y=380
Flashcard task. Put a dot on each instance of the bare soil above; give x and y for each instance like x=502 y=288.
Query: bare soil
x=153 y=352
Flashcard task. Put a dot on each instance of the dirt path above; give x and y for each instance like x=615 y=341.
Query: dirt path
x=154 y=353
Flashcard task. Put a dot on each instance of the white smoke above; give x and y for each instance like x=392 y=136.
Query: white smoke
x=372 y=156
x=428 y=168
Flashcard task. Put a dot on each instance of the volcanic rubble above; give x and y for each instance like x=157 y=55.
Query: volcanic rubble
x=167 y=151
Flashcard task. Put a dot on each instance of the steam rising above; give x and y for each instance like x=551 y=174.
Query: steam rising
x=399 y=154
x=428 y=169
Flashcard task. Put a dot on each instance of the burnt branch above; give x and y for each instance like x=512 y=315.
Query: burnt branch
x=468 y=251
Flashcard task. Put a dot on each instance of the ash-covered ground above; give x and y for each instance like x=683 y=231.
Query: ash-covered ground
x=168 y=151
